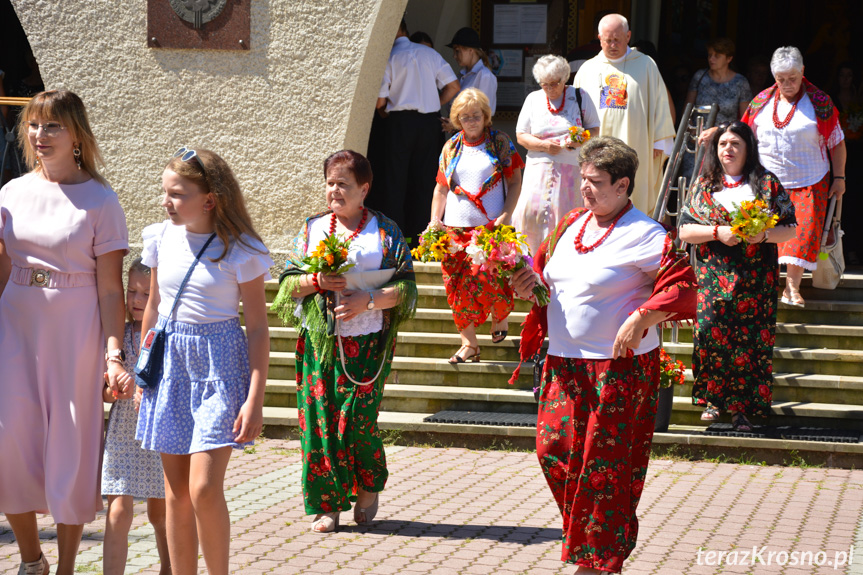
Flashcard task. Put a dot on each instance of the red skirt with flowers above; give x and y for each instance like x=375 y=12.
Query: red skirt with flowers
x=810 y=209
x=732 y=357
x=593 y=436
x=342 y=446
x=473 y=295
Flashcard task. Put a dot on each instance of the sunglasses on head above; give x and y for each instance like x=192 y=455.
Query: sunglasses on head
x=185 y=154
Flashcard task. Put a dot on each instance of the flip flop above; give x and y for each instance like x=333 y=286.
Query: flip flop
x=499 y=336
x=740 y=423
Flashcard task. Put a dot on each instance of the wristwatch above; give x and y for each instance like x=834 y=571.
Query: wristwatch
x=371 y=304
x=117 y=355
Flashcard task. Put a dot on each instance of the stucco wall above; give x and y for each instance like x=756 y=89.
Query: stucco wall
x=306 y=88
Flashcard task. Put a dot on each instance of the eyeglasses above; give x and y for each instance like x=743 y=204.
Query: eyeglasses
x=471 y=119
x=50 y=129
x=549 y=85
x=185 y=154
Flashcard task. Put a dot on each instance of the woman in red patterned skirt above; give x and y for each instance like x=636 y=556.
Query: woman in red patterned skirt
x=613 y=274
x=478 y=183
x=798 y=142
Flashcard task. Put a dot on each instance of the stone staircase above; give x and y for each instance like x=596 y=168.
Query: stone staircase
x=818 y=365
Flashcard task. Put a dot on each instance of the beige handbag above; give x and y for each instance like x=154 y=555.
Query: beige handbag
x=831 y=262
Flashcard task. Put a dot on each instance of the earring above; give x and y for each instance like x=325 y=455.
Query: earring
x=77 y=153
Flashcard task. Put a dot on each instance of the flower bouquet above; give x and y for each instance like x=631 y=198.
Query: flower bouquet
x=578 y=134
x=435 y=243
x=500 y=253
x=670 y=370
x=329 y=257
x=752 y=217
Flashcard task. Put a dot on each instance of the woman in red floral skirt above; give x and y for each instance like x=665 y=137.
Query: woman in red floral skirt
x=732 y=359
x=613 y=274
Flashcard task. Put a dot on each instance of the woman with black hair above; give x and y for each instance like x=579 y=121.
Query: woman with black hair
x=737 y=276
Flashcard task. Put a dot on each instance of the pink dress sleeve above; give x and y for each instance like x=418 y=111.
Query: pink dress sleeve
x=111 y=233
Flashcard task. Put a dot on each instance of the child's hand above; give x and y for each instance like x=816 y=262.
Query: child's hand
x=107 y=395
x=249 y=423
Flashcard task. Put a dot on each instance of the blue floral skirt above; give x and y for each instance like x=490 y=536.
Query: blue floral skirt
x=205 y=381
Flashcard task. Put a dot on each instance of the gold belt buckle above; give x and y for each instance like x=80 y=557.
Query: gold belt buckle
x=40 y=278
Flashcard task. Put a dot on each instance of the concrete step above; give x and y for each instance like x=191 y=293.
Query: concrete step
x=432 y=399
x=418 y=344
x=797 y=359
x=408 y=427
x=801 y=335
x=803 y=387
x=430 y=372
x=425 y=398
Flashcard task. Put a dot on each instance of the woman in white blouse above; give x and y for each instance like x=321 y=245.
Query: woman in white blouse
x=478 y=184
x=800 y=142
x=612 y=275
x=551 y=179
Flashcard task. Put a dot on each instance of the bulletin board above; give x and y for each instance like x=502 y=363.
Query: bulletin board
x=515 y=33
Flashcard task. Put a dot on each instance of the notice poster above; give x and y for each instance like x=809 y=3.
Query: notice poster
x=520 y=24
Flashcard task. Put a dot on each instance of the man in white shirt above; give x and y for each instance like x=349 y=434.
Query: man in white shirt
x=632 y=101
x=409 y=95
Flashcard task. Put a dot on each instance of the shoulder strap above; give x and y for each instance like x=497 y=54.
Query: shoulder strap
x=580 y=109
x=189 y=274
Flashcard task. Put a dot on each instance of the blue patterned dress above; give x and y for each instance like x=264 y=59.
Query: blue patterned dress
x=127 y=469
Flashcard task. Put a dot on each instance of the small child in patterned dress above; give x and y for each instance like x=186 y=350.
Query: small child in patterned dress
x=128 y=470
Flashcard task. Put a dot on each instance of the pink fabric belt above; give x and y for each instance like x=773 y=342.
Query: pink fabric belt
x=39 y=277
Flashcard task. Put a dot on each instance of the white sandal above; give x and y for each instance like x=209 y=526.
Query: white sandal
x=38 y=567
x=329 y=522
x=369 y=512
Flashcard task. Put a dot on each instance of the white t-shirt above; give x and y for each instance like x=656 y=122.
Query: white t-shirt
x=413 y=75
x=473 y=168
x=366 y=252
x=794 y=153
x=536 y=120
x=592 y=294
x=727 y=197
x=213 y=291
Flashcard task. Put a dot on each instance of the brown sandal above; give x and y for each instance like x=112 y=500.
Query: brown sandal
x=473 y=358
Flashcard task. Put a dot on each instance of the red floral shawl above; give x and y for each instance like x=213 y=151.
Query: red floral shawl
x=826 y=115
x=674 y=291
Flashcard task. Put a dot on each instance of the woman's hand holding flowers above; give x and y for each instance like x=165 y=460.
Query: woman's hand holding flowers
x=332 y=282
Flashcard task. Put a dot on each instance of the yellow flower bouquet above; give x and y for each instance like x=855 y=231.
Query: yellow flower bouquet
x=752 y=217
x=435 y=243
x=329 y=257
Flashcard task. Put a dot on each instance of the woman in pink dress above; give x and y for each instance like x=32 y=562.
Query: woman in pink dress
x=62 y=241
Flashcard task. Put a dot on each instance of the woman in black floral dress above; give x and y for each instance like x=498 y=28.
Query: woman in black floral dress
x=732 y=357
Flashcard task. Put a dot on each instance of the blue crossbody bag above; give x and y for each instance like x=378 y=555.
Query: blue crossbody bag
x=148 y=369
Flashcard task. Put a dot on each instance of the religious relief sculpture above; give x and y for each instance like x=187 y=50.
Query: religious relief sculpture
x=198 y=12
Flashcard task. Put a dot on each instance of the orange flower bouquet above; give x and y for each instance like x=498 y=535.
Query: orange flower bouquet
x=578 y=134
x=751 y=218
x=329 y=257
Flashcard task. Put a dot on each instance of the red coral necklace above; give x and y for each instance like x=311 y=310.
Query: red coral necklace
x=737 y=184
x=562 y=103
x=583 y=249
x=359 y=227
x=779 y=125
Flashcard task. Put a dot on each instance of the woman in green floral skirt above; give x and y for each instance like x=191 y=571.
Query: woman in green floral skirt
x=732 y=360
x=343 y=454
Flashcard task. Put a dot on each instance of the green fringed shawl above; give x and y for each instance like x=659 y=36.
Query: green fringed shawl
x=316 y=315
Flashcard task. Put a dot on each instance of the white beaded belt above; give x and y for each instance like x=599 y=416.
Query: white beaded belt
x=39 y=277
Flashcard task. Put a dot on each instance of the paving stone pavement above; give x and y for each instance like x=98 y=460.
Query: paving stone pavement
x=452 y=511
